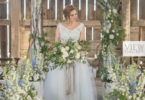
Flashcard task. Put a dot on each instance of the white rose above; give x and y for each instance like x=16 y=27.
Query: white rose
x=77 y=56
x=105 y=1
x=111 y=36
x=29 y=98
x=62 y=49
x=114 y=11
x=36 y=77
x=71 y=51
x=65 y=54
x=67 y=48
x=109 y=10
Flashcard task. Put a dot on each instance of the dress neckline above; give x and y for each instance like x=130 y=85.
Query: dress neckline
x=71 y=29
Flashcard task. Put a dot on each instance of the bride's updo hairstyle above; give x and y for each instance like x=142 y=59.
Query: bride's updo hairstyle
x=67 y=10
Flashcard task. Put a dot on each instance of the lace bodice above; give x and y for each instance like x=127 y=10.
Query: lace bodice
x=66 y=33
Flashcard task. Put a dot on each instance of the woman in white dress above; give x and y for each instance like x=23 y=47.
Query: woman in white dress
x=76 y=82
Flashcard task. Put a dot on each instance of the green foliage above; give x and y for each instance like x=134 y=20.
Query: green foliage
x=112 y=31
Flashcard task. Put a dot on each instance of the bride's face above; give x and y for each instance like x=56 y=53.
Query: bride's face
x=73 y=16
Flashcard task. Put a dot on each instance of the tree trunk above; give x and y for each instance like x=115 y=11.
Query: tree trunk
x=36 y=21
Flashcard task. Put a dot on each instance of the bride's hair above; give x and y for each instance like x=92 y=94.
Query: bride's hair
x=67 y=11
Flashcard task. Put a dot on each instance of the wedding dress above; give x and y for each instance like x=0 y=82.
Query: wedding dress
x=75 y=83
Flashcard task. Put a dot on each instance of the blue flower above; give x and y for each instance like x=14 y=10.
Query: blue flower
x=20 y=83
x=132 y=86
x=33 y=62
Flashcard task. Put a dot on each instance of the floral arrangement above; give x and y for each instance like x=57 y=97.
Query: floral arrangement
x=112 y=31
x=17 y=84
x=67 y=53
x=109 y=60
x=38 y=70
x=128 y=82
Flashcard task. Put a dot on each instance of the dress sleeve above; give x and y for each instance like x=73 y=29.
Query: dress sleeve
x=57 y=36
x=82 y=26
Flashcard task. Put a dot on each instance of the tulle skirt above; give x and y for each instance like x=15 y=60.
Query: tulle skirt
x=73 y=83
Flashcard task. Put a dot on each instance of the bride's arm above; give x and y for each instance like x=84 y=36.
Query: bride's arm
x=82 y=36
x=57 y=35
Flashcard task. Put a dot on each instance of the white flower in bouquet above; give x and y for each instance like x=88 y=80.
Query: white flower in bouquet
x=67 y=48
x=65 y=54
x=111 y=36
x=109 y=10
x=114 y=11
x=63 y=49
x=72 y=51
x=29 y=98
x=36 y=77
x=77 y=46
x=77 y=56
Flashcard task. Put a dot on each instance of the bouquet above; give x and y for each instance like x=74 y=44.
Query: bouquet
x=67 y=53
x=18 y=86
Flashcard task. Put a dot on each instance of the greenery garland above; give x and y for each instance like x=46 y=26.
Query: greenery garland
x=112 y=31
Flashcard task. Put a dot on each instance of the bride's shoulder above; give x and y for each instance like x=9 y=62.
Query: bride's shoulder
x=82 y=24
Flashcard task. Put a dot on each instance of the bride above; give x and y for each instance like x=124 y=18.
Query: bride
x=75 y=82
